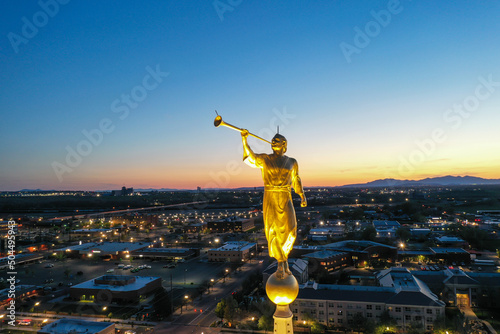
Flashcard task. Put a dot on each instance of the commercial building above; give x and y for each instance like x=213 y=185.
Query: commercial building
x=450 y=241
x=327 y=261
x=233 y=251
x=230 y=224
x=386 y=228
x=113 y=250
x=449 y=255
x=169 y=254
x=112 y=288
x=76 y=326
x=406 y=298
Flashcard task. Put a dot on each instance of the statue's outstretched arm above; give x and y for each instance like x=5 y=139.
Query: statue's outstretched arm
x=297 y=185
x=249 y=157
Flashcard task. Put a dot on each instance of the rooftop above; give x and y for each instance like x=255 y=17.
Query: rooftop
x=138 y=283
x=75 y=326
x=324 y=254
x=447 y=250
x=236 y=246
x=106 y=246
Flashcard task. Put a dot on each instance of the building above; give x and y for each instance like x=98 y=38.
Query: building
x=406 y=298
x=169 y=254
x=362 y=251
x=110 y=250
x=230 y=224
x=325 y=232
x=113 y=288
x=298 y=267
x=450 y=241
x=23 y=258
x=386 y=228
x=327 y=261
x=459 y=288
x=21 y=292
x=417 y=233
x=93 y=233
x=233 y=251
x=123 y=192
x=449 y=255
x=77 y=326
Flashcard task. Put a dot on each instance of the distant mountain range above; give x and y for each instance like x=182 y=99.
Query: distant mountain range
x=432 y=181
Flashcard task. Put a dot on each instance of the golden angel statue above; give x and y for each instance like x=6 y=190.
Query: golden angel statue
x=280 y=173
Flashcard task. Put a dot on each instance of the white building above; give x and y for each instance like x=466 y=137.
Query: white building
x=407 y=299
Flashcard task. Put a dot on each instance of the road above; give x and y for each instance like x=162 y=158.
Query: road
x=200 y=313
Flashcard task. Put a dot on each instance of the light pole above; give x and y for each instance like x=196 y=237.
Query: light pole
x=212 y=284
x=185 y=271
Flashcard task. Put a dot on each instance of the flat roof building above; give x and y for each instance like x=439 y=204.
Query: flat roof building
x=166 y=253
x=233 y=251
x=76 y=326
x=234 y=224
x=114 y=250
x=327 y=261
x=113 y=288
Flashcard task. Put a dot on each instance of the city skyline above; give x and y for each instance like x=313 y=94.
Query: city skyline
x=97 y=96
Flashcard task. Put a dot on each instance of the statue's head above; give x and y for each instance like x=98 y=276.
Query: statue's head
x=278 y=144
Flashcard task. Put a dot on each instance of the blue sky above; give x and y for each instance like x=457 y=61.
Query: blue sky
x=347 y=119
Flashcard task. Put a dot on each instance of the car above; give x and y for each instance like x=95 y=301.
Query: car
x=130 y=332
x=25 y=322
x=49 y=265
x=110 y=270
x=70 y=284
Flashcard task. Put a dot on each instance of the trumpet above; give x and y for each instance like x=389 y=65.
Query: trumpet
x=218 y=122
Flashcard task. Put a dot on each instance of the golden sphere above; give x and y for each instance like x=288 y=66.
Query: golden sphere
x=282 y=291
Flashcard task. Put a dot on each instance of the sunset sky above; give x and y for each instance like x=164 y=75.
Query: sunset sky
x=95 y=95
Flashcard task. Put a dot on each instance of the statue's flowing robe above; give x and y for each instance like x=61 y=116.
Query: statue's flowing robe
x=280 y=174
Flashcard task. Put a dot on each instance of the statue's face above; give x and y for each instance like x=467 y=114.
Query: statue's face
x=278 y=144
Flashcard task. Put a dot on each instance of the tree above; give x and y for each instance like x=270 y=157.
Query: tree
x=162 y=304
x=369 y=233
x=403 y=234
x=219 y=309
x=266 y=322
x=230 y=308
